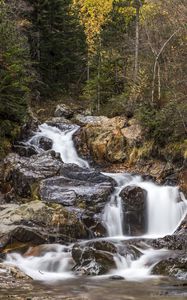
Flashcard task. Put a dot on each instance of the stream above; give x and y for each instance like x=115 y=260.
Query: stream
x=165 y=209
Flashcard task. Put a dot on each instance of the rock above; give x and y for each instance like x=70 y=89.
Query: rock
x=38 y=223
x=175 y=266
x=73 y=171
x=24 y=150
x=63 y=111
x=102 y=138
x=81 y=193
x=117 y=277
x=134 y=209
x=86 y=199
x=29 y=127
x=14 y=272
x=61 y=123
x=45 y=143
x=24 y=173
x=133 y=134
x=95 y=258
x=172 y=242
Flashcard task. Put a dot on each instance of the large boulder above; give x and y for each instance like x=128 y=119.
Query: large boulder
x=84 y=191
x=94 y=258
x=37 y=222
x=134 y=210
x=63 y=110
x=106 y=139
x=25 y=173
x=70 y=192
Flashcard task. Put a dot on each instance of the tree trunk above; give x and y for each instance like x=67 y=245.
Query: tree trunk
x=136 y=61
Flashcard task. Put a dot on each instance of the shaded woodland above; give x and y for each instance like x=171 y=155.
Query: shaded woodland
x=119 y=57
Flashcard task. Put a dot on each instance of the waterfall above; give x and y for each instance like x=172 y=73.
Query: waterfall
x=113 y=214
x=62 y=143
x=166 y=207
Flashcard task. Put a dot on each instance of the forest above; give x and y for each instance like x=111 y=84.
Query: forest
x=117 y=57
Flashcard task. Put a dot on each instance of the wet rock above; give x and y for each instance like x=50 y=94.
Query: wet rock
x=116 y=277
x=69 y=192
x=94 y=258
x=24 y=150
x=24 y=173
x=45 y=143
x=175 y=266
x=73 y=171
x=134 y=209
x=171 y=242
x=63 y=110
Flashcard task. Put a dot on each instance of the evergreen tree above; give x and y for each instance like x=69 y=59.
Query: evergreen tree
x=57 y=45
x=14 y=82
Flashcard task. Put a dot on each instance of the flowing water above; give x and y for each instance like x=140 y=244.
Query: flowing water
x=165 y=209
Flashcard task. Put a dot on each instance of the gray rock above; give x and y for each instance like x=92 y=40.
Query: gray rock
x=134 y=209
x=175 y=266
x=85 y=194
x=24 y=173
x=95 y=258
x=45 y=143
x=63 y=110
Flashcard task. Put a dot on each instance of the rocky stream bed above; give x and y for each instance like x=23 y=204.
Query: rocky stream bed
x=102 y=235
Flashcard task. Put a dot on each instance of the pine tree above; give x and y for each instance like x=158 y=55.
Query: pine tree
x=14 y=79
x=57 y=45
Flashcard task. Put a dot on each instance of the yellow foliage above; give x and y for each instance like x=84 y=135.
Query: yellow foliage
x=93 y=14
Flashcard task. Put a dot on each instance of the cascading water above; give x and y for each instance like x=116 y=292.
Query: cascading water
x=113 y=214
x=166 y=207
x=53 y=262
x=62 y=143
x=165 y=210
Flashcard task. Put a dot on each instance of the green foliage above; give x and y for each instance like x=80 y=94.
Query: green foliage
x=164 y=125
x=14 y=77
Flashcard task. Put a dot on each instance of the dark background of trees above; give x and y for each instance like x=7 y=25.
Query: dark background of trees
x=137 y=66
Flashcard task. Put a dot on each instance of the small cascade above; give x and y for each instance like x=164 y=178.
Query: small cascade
x=113 y=214
x=52 y=262
x=166 y=208
x=62 y=143
x=141 y=268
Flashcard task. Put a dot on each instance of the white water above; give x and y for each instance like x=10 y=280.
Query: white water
x=164 y=210
x=164 y=214
x=62 y=143
x=113 y=214
x=141 y=268
x=53 y=264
